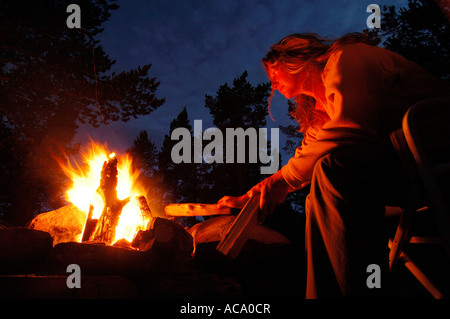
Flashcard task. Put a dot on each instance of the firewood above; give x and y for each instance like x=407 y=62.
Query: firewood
x=172 y=235
x=241 y=229
x=145 y=210
x=215 y=229
x=162 y=233
x=190 y=209
x=89 y=225
x=106 y=226
x=143 y=240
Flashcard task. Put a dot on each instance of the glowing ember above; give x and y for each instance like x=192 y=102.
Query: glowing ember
x=86 y=181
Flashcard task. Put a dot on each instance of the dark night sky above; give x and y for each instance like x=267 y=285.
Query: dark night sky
x=196 y=46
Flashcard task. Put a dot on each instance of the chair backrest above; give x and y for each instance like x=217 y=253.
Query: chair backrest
x=426 y=127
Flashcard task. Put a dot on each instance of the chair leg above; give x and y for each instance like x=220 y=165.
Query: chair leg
x=401 y=235
x=420 y=276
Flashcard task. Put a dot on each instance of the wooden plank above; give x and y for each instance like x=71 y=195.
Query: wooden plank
x=233 y=242
x=190 y=209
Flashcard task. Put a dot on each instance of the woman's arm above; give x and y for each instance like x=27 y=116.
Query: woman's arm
x=273 y=190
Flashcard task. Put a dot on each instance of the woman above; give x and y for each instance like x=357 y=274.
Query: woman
x=350 y=94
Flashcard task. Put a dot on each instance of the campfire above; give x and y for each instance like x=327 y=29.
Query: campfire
x=105 y=188
x=108 y=231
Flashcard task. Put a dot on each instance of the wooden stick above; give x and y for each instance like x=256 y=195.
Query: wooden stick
x=233 y=242
x=89 y=225
x=189 y=209
x=105 y=229
x=145 y=209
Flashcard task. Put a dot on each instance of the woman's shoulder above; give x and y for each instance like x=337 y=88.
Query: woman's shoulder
x=359 y=47
x=348 y=58
x=363 y=54
x=355 y=52
x=361 y=58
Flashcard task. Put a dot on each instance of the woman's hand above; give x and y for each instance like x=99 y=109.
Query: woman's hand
x=273 y=190
x=233 y=202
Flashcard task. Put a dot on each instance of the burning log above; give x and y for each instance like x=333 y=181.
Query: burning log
x=161 y=232
x=145 y=210
x=89 y=225
x=105 y=228
x=106 y=189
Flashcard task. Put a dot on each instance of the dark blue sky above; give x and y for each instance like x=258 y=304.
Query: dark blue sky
x=196 y=46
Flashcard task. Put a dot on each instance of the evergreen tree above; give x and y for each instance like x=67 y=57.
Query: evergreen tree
x=421 y=33
x=179 y=179
x=145 y=154
x=240 y=106
x=53 y=78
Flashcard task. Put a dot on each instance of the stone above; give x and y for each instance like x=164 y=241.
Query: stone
x=64 y=224
x=55 y=287
x=21 y=248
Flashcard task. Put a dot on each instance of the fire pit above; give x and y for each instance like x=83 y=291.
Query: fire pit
x=122 y=249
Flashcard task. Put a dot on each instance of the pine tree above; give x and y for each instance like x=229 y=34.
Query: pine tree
x=240 y=106
x=52 y=78
x=421 y=33
x=179 y=179
x=145 y=154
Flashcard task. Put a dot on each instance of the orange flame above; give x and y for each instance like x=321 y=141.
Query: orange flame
x=86 y=180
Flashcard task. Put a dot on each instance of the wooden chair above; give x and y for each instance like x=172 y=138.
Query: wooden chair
x=423 y=144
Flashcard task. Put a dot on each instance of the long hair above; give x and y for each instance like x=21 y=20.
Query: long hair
x=309 y=53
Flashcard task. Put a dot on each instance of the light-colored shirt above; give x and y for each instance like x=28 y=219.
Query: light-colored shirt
x=367 y=90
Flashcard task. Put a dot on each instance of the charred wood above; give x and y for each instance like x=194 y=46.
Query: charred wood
x=105 y=228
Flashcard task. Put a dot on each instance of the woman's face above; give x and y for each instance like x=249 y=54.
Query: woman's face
x=287 y=84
